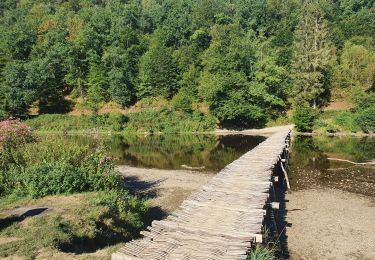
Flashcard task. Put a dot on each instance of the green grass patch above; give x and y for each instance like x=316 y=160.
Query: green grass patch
x=91 y=207
x=81 y=223
x=62 y=122
x=169 y=121
x=337 y=121
x=261 y=253
x=166 y=120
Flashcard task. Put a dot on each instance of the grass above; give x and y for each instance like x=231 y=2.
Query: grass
x=91 y=209
x=268 y=249
x=62 y=122
x=261 y=253
x=151 y=120
x=77 y=224
x=336 y=122
x=169 y=121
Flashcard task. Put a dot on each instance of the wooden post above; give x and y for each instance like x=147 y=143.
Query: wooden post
x=286 y=175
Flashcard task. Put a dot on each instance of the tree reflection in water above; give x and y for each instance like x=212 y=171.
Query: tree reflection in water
x=311 y=168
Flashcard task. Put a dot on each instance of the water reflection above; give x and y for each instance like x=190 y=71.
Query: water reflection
x=172 y=151
x=312 y=164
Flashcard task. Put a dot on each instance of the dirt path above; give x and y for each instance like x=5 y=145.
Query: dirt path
x=268 y=131
x=166 y=189
x=330 y=224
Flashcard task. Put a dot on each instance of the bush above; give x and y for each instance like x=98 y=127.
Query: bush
x=182 y=102
x=54 y=122
x=14 y=133
x=169 y=121
x=83 y=223
x=56 y=166
x=366 y=119
x=304 y=118
x=336 y=121
x=53 y=166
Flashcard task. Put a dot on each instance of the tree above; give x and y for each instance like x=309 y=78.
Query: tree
x=159 y=75
x=97 y=87
x=240 y=81
x=16 y=97
x=357 y=66
x=312 y=55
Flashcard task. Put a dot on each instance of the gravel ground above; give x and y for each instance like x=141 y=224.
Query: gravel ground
x=330 y=224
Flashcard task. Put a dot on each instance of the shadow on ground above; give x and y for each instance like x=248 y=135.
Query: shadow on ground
x=275 y=221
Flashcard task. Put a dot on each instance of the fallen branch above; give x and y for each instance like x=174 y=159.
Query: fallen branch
x=343 y=160
x=192 y=168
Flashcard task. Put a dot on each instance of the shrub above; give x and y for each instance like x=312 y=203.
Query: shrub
x=183 y=102
x=152 y=102
x=14 y=133
x=169 y=121
x=346 y=121
x=336 y=121
x=83 y=223
x=366 y=119
x=262 y=253
x=53 y=122
x=57 y=167
x=125 y=207
x=304 y=118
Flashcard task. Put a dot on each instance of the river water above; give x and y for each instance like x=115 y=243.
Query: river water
x=314 y=164
x=208 y=153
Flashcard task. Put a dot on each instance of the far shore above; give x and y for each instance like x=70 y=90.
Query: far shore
x=267 y=131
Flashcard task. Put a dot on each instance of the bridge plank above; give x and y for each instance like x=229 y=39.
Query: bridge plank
x=221 y=220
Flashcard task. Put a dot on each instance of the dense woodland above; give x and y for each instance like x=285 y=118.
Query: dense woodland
x=249 y=61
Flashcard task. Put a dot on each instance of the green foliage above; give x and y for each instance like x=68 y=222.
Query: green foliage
x=52 y=165
x=241 y=57
x=52 y=232
x=148 y=119
x=84 y=223
x=366 y=119
x=358 y=119
x=97 y=88
x=261 y=253
x=169 y=121
x=182 y=101
x=14 y=133
x=237 y=94
x=158 y=71
x=336 y=121
x=356 y=61
x=312 y=55
x=304 y=118
x=106 y=122
x=56 y=167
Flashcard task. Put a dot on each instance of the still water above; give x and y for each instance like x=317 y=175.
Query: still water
x=207 y=152
x=314 y=163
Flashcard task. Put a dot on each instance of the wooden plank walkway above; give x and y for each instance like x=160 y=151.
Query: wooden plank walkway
x=219 y=221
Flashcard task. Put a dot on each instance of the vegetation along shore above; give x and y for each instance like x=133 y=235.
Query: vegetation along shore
x=147 y=67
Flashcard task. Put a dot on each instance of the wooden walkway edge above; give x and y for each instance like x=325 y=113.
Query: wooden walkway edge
x=221 y=220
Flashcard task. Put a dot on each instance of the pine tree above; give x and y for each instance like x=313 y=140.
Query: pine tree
x=312 y=55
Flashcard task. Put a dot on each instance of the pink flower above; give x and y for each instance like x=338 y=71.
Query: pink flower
x=14 y=133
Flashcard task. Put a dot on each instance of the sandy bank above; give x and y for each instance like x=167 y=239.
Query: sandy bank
x=166 y=189
x=330 y=224
x=263 y=131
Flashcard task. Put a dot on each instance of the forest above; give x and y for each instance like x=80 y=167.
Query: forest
x=249 y=62
x=74 y=71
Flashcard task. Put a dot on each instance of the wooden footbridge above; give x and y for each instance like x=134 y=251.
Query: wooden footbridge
x=224 y=218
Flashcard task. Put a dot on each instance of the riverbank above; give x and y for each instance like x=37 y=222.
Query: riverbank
x=330 y=224
x=165 y=189
x=338 y=134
